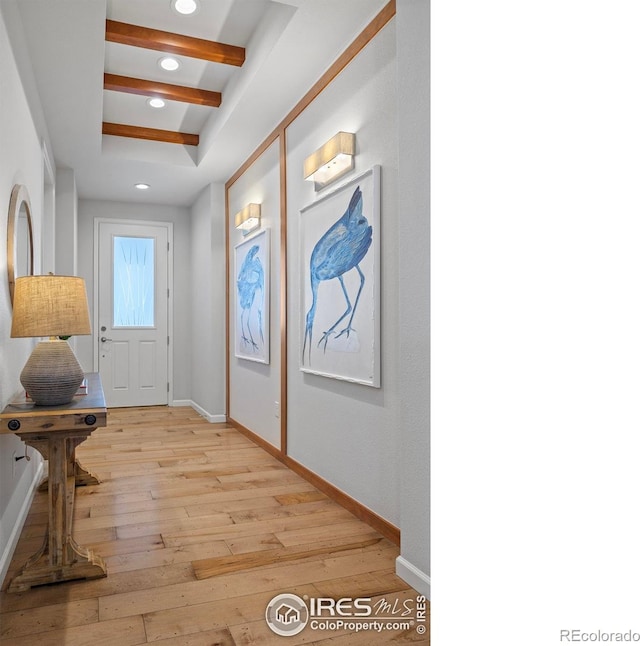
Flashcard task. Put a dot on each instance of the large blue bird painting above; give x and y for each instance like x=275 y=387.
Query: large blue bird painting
x=338 y=251
x=250 y=280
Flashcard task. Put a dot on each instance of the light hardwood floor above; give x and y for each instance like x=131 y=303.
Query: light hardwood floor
x=200 y=529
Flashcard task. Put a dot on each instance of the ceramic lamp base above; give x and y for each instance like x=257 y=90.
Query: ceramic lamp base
x=52 y=375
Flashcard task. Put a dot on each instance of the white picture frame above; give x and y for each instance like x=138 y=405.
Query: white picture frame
x=340 y=288
x=251 y=290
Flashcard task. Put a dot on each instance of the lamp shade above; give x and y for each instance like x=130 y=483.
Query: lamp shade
x=50 y=306
x=249 y=218
x=332 y=160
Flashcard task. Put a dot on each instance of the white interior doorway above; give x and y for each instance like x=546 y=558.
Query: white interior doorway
x=132 y=306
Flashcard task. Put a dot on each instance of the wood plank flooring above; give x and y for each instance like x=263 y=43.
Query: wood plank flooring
x=200 y=529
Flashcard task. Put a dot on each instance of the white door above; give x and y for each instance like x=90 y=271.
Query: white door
x=132 y=274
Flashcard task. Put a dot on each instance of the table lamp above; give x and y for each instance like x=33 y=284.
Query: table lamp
x=50 y=306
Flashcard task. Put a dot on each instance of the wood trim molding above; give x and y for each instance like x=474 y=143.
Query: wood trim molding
x=387 y=529
x=283 y=294
x=257 y=153
x=143 y=87
x=227 y=306
x=380 y=20
x=361 y=41
x=165 y=41
x=150 y=134
x=256 y=439
x=365 y=514
x=384 y=527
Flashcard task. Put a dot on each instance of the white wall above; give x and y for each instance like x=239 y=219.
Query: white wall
x=66 y=231
x=20 y=162
x=207 y=304
x=88 y=210
x=348 y=433
x=48 y=212
x=412 y=22
x=255 y=387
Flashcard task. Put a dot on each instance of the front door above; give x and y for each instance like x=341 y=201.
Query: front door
x=132 y=312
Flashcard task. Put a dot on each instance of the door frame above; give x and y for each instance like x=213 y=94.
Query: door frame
x=96 y=294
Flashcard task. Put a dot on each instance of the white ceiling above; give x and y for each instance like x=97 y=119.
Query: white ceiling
x=289 y=44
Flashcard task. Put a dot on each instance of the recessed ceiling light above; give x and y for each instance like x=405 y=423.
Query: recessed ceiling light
x=184 y=7
x=169 y=63
x=156 y=103
x=142 y=186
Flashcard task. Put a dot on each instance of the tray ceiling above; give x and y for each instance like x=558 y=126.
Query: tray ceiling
x=94 y=89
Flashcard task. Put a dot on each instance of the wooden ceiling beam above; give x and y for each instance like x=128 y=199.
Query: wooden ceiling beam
x=150 y=134
x=165 y=41
x=163 y=90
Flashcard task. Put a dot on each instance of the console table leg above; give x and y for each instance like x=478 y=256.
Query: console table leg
x=61 y=559
x=84 y=477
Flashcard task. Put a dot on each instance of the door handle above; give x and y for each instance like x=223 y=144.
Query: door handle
x=104 y=339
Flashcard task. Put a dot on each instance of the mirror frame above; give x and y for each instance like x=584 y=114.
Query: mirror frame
x=19 y=196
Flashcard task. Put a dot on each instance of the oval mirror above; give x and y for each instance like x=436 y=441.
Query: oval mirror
x=19 y=237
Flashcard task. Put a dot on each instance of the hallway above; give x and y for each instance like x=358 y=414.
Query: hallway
x=200 y=529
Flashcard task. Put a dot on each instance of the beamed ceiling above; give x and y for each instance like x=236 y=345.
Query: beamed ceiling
x=244 y=64
x=168 y=43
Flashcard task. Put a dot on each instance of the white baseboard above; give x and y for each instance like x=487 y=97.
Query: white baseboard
x=413 y=576
x=213 y=419
x=5 y=559
x=180 y=402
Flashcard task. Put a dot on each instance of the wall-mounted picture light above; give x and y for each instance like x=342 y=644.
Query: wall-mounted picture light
x=248 y=219
x=331 y=161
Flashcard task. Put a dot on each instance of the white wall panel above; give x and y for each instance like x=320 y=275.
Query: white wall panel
x=20 y=162
x=207 y=324
x=255 y=387
x=348 y=433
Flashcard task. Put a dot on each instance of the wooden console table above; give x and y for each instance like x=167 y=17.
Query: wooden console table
x=55 y=432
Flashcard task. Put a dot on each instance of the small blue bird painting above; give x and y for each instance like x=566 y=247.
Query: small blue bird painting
x=337 y=252
x=250 y=280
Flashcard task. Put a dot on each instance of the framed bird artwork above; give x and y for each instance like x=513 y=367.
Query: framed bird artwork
x=340 y=273
x=251 y=328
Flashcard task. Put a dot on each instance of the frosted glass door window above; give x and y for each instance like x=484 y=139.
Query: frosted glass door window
x=133 y=282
